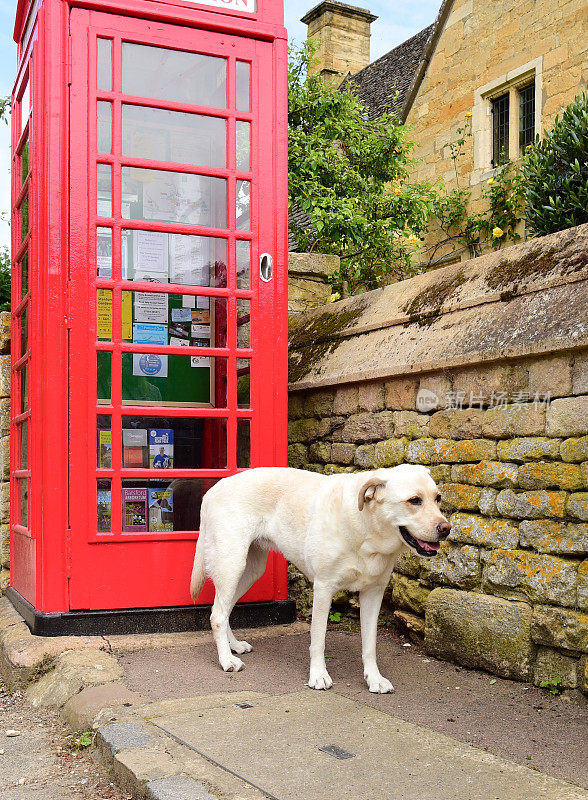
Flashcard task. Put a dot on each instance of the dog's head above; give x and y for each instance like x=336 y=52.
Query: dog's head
x=404 y=501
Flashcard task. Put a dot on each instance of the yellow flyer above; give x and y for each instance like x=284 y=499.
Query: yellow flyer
x=127 y=316
x=104 y=313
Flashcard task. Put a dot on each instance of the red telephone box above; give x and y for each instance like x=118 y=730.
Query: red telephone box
x=149 y=300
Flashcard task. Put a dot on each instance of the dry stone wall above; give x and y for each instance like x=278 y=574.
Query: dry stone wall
x=506 y=439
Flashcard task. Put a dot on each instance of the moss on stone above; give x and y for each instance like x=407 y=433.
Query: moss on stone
x=425 y=307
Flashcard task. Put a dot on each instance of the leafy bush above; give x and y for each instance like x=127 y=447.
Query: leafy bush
x=4 y=279
x=555 y=171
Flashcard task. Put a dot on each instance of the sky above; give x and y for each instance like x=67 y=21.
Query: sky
x=397 y=21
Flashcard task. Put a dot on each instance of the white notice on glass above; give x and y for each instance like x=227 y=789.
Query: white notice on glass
x=190 y=260
x=200 y=331
x=199 y=361
x=150 y=256
x=150 y=307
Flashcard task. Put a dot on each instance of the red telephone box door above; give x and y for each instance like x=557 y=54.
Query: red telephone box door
x=177 y=346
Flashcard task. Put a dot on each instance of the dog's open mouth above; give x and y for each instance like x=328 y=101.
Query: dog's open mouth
x=426 y=549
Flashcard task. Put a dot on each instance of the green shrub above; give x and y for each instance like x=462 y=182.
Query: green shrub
x=555 y=171
x=4 y=279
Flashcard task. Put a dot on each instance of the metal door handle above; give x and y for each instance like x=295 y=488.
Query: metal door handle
x=266 y=267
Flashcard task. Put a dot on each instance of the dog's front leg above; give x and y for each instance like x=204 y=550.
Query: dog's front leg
x=370 y=601
x=321 y=603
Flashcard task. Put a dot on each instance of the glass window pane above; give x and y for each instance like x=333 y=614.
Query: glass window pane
x=243 y=264
x=161 y=443
x=24 y=330
x=103 y=441
x=24 y=161
x=161 y=257
x=104 y=252
x=174 y=197
x=24 y=275
x=174 y=75
x=243 y=323
x=149 y=379
x=105 y=65
x=243 y=443
x=24 y=446
x=243 y=383
x=103 y=375
x=104 y=314
x=243 y=86
x=500 y=130
x=526 y=117
x=24 y=502
x=243 y=207
x=179 y=320
x=243 y=138
x=24 y=388
x=25 y=107
x=174 y=136
x=104 y=126
x=104 y=207
x=157 y=506
x=24 y=218
x=103 y=506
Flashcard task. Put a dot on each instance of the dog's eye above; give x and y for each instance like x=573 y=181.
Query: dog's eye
x=438 y=498
x=415 y=501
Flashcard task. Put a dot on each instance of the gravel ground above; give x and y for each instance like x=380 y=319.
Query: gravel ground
x=41 y=763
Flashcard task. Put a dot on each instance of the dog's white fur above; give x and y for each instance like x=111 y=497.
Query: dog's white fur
x=341 y=531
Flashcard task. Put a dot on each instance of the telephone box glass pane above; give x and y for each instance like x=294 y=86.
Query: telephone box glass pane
x=161 y=443
x=24 y=218
x=104 y=252
x=243 y=443
x=24 y=275
x=24 y=161
x=24 y=446
x=243 y=139
x=162 y=135
x=243 y=383
x=24 y=388
x=24 y=502
x=103 y=506
x=243 y=263
x=243 y=86
x=24 y=330
x=103 y=375
x=157 y=195
x=104 y=180
x=103 y=441
x=174 y=75
x=157 y=506
x=163 y=319
x=104 y=126
x=150 y=379
x=105 y=65
x=161 y=257
x=243 y=323
x=25 y=107
x=243 y=205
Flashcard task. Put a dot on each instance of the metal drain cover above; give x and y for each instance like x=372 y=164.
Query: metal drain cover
x=338 y=752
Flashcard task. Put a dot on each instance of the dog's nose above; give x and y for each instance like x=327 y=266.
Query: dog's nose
x=443 y=529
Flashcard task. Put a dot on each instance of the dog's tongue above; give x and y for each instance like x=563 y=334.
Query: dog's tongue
x=431 y=547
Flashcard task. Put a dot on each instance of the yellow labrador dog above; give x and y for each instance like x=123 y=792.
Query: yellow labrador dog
x=342 y=531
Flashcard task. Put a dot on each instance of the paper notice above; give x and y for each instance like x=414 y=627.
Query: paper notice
x=145 y=333
x=151 y=307
x=200 y=331
x=150 y=365
x=199 y=361
x=104 y=313
x=127 y=316
x=150 y=256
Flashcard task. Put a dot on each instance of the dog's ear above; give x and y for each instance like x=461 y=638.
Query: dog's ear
x=369 y=491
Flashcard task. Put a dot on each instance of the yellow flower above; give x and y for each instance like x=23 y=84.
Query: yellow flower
x=490 y=181
x=497 y=232
x=397 y=190
x=468 y=114
x=412 y=239
x=334 y=297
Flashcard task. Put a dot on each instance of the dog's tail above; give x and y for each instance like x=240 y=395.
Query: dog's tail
x=198 y=570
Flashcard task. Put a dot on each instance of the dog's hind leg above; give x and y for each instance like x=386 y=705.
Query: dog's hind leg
x=254 y=569
x=226 y=575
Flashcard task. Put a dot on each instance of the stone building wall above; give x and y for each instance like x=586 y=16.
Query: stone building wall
x=4 y=449
x=486 y=383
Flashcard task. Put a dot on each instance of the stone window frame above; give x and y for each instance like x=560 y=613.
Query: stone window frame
x=509 y=83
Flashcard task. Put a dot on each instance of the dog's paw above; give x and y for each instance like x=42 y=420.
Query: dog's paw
x=232 y=664
x=378 y=684
x=241 y=647
x=320 y=679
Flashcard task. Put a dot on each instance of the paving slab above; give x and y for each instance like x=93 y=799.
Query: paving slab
x=289 y=747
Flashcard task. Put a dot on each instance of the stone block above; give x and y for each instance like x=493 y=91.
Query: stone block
x=486 y=473
x=456 y=565
x=582 y=674
x=5 y=546
x=551 y=665
x=412 y=624
x=295 y=405
x=582 y=601
x=73 y=671
x=477 y=530
x=4 y=580
x=411 y=424
x=441 y=473
x=408 y=594
x=5 y=376
x=531 y=505
x=535 y=577
x=4 y=416
x=336 y=469
x=560 y=627
x=334 y=426
x=453 y=452
x=434 y=392
x=457 y=424
x=318 y=404
x=297 y=456
x=575 y=449
x=502 y=422
x=580 y=374
x=303 y=430
x=320 y=451
x=371 y=396
x=123 y=735
x=4 y=331
x=177 y=788
x=408 y=564
x=558 y=538
x=80 y=711
x=550 y=475
x=480 y=385
x=460 y=496
x=390 y=453
x=5 y=458
x=400 y=394
x=550 y=376
x=366 y=427
x=342 y=453
x=480 y=632
x=346 y=400
x=487 y=502
x=419 y=451
x=578 y=506
x=528 y=449
x=568 y=416
x=365 y=456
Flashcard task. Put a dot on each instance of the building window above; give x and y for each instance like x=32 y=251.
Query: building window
x=500 y=129
x=526 y=116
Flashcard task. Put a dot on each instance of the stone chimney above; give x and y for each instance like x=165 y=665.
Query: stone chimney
x=341 y=34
